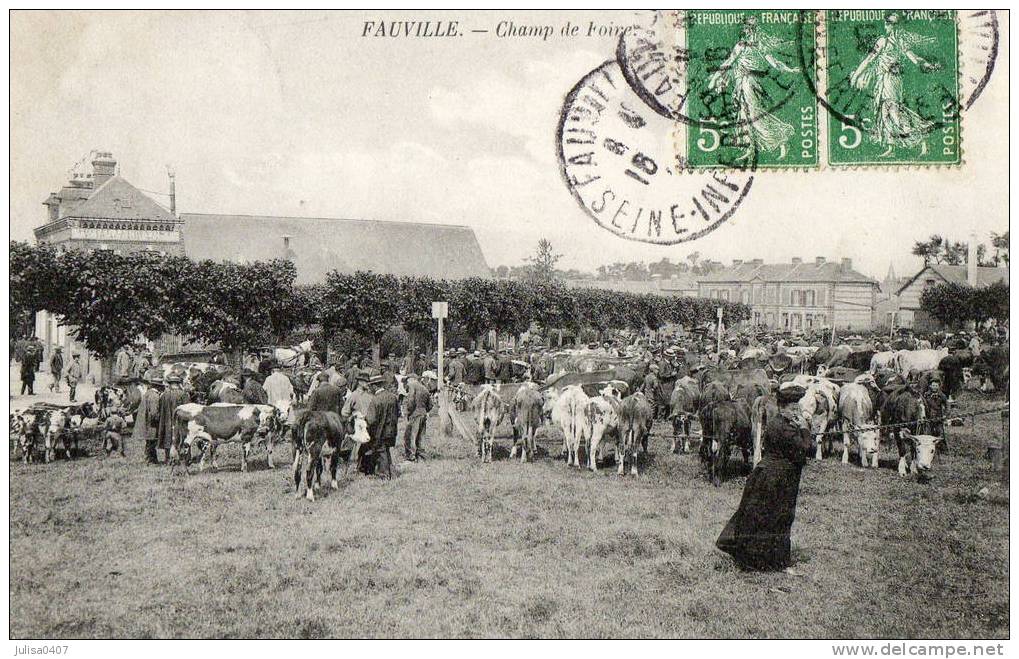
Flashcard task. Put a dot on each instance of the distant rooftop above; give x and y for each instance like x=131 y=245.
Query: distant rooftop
x=817 y=270
x=319 y=245
x=957 y=274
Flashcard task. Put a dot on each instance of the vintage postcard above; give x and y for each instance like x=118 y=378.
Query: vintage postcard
x=684 y=324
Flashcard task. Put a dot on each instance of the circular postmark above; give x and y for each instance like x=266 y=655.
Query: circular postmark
x=718 y=69
x=618 y=159
x=978 y=52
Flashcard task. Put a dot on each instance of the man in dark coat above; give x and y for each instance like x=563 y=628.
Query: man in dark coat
x=382 y=417
x=326 y=397
x=146 y=420
x=505 y=367
x=169 y=400
x=757 y=536
x=56 y=368
x=416 y=405
x=475 y=370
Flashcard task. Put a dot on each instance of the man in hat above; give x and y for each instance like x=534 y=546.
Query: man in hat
x=652 y=387
x=383 y=415
x=169 y=400
x=56 y=368
x=936 y=409
x=457 y=368
x=504 y=370
x=73 y=376
x=474 y=372
x=416 y=405
x=360 y=399
x=146 y=418
x=122 y=362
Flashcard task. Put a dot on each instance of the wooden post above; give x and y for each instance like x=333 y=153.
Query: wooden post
x=439 y=311
x=718 y=342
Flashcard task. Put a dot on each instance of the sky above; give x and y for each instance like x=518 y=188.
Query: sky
x=278 y=113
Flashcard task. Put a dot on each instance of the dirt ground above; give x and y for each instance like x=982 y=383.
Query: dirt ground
x=454 y=548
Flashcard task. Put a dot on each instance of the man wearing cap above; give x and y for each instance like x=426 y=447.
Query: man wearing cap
x=504 y=370
x=416 y=405
x=457 y=369
x=474 y=372
x=169 y=400
x=73 y=376
x=146 y=419
x=326 y=397
x=652 y=387
x=382 y=417
x=360 y=399
x=757 y=535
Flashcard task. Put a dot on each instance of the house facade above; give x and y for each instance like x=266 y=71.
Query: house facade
x=907 y=312
x=799 y=295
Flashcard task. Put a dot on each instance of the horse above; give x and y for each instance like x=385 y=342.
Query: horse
x=294 y=356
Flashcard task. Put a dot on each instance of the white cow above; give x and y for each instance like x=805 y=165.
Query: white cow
x=490 y=410
x=908 y=362
x=819 y=405
x=857 y=410
x=569 y=409
x=916 y=453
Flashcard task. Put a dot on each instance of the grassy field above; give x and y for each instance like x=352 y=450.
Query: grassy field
x=453 y=548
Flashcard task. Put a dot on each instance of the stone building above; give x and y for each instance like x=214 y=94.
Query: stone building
x=797 y=296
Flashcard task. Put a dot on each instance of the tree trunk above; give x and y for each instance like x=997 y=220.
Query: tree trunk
x=237 y=358
x=106 y=370
x=376 y=353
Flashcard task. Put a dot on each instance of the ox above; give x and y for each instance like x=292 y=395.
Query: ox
x=109 y=398
x=904 y=406
x=569 y=410
x=819 y=405
x=490 y=410
x=601 y=420
x=908 y=362
x=30 y=426
x=634 y=424
x=882 y=360
x=856 y=407
x=683 y=406
x=222 y=422
x=526 y=413
x=724 y=422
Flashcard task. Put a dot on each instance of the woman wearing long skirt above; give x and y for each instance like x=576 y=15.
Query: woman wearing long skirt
x=757 y=536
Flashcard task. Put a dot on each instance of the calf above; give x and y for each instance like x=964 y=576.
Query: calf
x=635 y=418
x=109 y=398
x=30 y=427
x=570 y=412
x=724 y=422
x=903 y=406
x=312 y=432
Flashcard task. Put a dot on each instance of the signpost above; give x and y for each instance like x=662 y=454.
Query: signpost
x=718 y=343
x=440 y=310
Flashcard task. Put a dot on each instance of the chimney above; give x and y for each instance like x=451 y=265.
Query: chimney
x=104 y=167
x=819 y=261
x=173 y=192
x=971 y=261
x=797 y=260
x=737 y=262
x=52 y=204
x=847 y=265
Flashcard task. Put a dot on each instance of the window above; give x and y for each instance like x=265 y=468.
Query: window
x=810 y=297
x=724 y=295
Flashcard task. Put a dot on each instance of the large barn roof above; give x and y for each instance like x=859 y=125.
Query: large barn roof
x=320 y=245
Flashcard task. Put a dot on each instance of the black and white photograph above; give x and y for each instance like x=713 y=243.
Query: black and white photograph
x=681 y=324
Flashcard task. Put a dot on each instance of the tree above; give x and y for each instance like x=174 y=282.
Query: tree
x=543 y=262
x=1000 y=244
x=929 y=250
x=35 y=284
x=954 y=252
x=366 y=303
x=954 y=304
x=416 y=297
x=112 y=300
x=554 y=307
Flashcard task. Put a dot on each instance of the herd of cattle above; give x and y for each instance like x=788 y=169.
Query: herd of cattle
x=598 y=403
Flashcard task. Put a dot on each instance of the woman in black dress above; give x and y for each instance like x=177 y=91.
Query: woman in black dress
x=757 y=536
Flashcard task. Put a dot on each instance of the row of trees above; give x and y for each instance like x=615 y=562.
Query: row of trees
x=956 y=304
x=939 y=250
x=112 y=299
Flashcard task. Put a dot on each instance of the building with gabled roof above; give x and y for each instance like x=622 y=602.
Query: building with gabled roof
x=319 y=245
x=104 y=211
x=907 y=310
x=797 y=295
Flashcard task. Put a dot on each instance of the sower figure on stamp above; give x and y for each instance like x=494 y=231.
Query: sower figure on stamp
x=757 y=536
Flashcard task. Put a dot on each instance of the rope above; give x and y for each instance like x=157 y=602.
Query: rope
x=902 y=424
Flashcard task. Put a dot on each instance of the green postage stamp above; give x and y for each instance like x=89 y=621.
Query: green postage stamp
x=751 y=98
x=892 y=90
